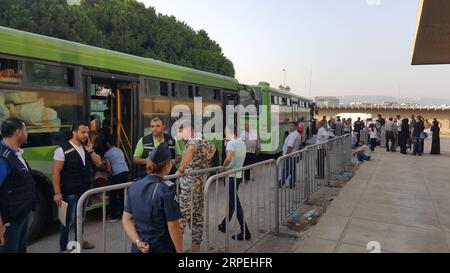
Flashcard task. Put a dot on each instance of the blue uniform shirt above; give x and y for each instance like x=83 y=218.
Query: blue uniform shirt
x=153 y=202
x=5 y=168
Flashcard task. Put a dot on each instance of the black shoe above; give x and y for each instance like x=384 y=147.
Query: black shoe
x=222 y=228
x=241 y=237
x=280 y=184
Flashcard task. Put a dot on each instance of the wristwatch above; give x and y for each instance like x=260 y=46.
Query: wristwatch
x=137 y=241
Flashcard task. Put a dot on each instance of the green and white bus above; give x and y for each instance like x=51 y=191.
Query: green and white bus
x=289 y=106
x=51 y=83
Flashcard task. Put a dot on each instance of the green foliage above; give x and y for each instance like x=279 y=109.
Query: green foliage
x=121 y=25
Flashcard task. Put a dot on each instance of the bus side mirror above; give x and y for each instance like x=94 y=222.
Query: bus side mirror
x=256 y=95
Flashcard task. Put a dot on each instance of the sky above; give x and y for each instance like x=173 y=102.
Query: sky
x=351 y=47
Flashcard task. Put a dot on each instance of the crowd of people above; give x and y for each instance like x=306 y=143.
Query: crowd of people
x=154 y=216
x=391 y=134
x=394 y=134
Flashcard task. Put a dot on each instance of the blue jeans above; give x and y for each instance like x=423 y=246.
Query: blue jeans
x=362 y=157
x=240 y=212
x=290 y=170
x=64 y=231
x=418 y=146
x=16 y=237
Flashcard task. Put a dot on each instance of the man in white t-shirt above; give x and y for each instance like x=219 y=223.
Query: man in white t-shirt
x=289 y=170
x=322 y=137
x=71 y=176
x=291 y=139
x=235 y=157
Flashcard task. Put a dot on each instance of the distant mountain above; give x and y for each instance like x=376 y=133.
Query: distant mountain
x=378 y=99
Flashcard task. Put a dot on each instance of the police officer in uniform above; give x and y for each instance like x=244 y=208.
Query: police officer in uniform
x=17 y=188
x=148 y=143
x=152 y=215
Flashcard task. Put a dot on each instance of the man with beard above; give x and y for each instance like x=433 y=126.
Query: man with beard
x=150 y=142
x=72 y=165
x=17 y=188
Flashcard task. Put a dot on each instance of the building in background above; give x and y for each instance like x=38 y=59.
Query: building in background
x=327 y=101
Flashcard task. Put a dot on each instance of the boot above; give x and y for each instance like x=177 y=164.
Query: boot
x=195 y=248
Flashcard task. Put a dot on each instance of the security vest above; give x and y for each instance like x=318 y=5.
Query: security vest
x=18 y=192
x=149 y=146
x=75 y=177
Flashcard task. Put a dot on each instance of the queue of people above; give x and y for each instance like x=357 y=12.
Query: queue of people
x=390 y=134
x=402 y=133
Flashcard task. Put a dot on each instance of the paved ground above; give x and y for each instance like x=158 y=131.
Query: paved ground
x=402 y=202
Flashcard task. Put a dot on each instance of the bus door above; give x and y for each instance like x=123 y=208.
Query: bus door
x=123 y=109
x=230 y=99
x=112 y=102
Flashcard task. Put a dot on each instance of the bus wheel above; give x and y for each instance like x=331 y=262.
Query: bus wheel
x=38 y=217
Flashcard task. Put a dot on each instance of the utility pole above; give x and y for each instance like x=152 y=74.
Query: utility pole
x=310 y=83
x=284 y=82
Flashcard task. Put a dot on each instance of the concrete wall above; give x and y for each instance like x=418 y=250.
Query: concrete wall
x=442 y=116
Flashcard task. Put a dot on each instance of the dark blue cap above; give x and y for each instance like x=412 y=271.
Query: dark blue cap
x=160 y=154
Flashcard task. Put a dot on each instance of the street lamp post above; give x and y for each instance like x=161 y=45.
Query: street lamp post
x=284 y=83
x=310 y=83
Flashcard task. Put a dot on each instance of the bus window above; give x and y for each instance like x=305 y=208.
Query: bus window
x=246 y=99
x=9 y=71
x=157 y=88
x=206 y=93
x=49 y=115
x=217 y=95
x=49 y=75
x=182 y=91
x=155 y=107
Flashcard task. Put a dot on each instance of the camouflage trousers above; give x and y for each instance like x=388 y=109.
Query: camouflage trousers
x=191 y=206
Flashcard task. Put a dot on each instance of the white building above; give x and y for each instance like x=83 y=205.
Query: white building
x=327 y=101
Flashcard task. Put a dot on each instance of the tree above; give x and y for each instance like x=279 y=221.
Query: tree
x=121 y=25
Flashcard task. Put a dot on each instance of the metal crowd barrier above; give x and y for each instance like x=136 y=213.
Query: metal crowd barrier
x=124 y=187
x=364 y=136
x=223 y=196
x=303 y=173
x=275 y=190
